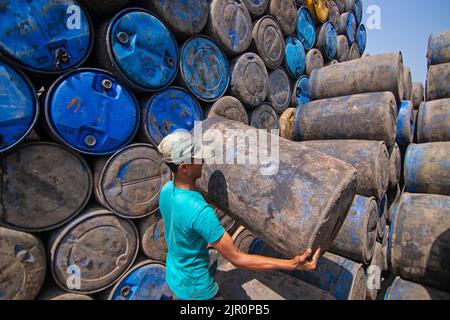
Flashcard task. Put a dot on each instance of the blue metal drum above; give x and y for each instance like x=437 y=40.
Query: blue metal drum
x=204 y=68
x=169 y=110
x=305 y=28
x=361 y=38
x=48 y=36
x=327 y=41
x=18 y=106
x=405 y=125
x=358 y=11
x=348 y=27
x=300 y=93
x=295 y=57
x=146 y=281
x=141 y=50
x=92 y=112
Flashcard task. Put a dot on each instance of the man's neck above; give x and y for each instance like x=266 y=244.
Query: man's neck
x=187 y=185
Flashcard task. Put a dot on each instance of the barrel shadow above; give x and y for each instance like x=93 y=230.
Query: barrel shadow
x=438 y=263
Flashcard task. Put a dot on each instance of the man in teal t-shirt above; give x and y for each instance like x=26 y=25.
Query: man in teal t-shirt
x=190 y=224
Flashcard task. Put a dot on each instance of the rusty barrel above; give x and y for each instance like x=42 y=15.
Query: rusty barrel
x=294 y=57
x=278 y=200
x=373 y=273
x=230 y=24
x=249 y=80
x=285 y=12
x=306 y=28
x=333 y=14
x=90 y=253
x=419 y=240
x=227 y=107
x=327 y=41
x=357 y=237
x=438 y=48
x=418 y=94
x=433 y=121
x=101 y=9
x=256 y=8
x=405 y=124
x=300 y=92
x=395 y=165
x=406 y=290
x=287 y=124
x=438 y=82
x=184 y=20
x=128 y=183
x=354 y=52
x=377 y=73
x=152 y=241
x=427 y=169
x=382 y=217
x=314 y=60
x=370 y=116
x=370 y=158
x=44 y=186
x=280 y=92
x=134 y=38
x=264 y=117
x=407 y=83
x=348 y=27
x=268 y=42
x=22 y=265
x=343 y=49
x=356 y=7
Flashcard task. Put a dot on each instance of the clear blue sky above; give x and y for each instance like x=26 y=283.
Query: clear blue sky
x=405 y=26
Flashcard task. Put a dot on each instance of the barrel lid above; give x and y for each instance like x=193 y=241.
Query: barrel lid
x=351 y=28
x=279 y=90
x=301 y=90
x=228 y=107
x=362 y=38
x=169 y=110
x=358 y=11
x=265 y=117
x=18 y=106
x=92 y=112
x=306 y=28
x=295 y=57
x=269 y=41
x=146 y=281
x=256 y=7
x=132 y=180
x=45 y=36
x=144 y=49
x=204 y=68
x=330 y=40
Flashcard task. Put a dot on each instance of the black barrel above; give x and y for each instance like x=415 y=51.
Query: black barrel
x=314 y=60
x=268 y=41
x=438 y=82
x=433 y=122
x=280 y=92
x=265 y=117
x=227 y=107
x=152 y=241
x=44 y=186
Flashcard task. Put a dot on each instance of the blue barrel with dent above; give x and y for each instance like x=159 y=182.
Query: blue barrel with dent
x=348 y=27
x=50 y=36
x=405 y=125
x=92 y=112
x=361 y=38
x=18 y=106
x=138 y=48
x=306 y=28
x=295 y=57
x=145 y=281
x=300 y=94
x=204 y=69
x=169 y=110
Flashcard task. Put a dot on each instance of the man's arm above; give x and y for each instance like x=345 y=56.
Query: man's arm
x=229 y=251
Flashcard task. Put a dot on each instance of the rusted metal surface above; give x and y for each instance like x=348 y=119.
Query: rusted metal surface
x=297 y=208
x=184 y=18
x=357 y=237
x=378 y=73
x=314 y=60
x=394 y=195
x=343 y=49
x=98 y=244
x=369 y=116
x=354 y=52
x=384 y=251
x=256 y=8
x=433 y=122
x=327 y=41
x=279 y=94
x=268 y=42
x=418 y=94
x=406 y=290
x=43 y=186
x=249 y=80
x=319 y=9
x=230 y=24
x=287 y=124
x=438 y=82
x=265 y=117
x=285 y=12
x=333 y=14
x=102 y=9
x=419 y=240
x=375 y=265
x=348 y=27
x=427 y=169
x=370 y=158
x=128 y=183
x=152 y=241
x=407 y=83
x=438 y=48
x=405 y=124
x=382 y=217
x=22 y=265
x=395 y=165
x=227 y=107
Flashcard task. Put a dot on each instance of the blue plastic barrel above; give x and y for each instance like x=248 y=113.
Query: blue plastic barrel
x=305 y=28
x=169 y=110
x=348 y=27
x=301 y=92
x=18 y=106
x=90 y=111
x=361 y=38
x=47 y=36
x=204 y=68
x=358 y=11
x=295 y=57
x=405 y=125
x=327 y=41
x=145 y=281
x=140 y=50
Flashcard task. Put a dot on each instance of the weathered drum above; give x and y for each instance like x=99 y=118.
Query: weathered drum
x=314 y=60
x=433 y=122
x=268 y=42
x=227 y=107
x=265 y=117
x=279 y=94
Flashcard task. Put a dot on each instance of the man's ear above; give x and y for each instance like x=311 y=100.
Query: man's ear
x=182 y=167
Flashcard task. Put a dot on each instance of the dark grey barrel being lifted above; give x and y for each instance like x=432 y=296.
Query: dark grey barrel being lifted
x=438 y=82
x=370 y=158
x=227 y=107
x=433 y=122
x=22 y=265
x=128 y=183
x=370 y=116
x=268 y=42
x=419 y=251
x=44 y=186
x=378 y=73
x=290 y=207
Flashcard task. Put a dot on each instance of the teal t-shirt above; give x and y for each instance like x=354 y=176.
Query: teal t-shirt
x=190 y=223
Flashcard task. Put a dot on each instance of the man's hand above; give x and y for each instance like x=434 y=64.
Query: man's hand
x=302 y=263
